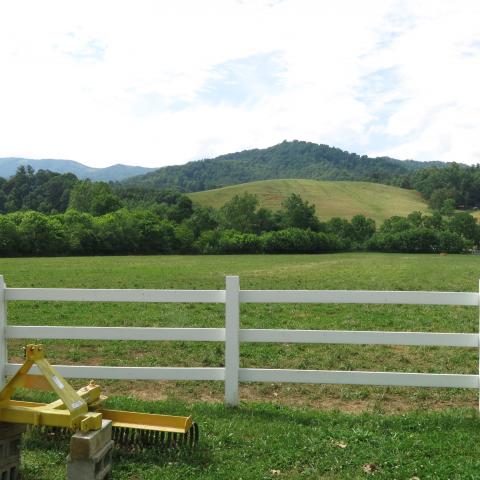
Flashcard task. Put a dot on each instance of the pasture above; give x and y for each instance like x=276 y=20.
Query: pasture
x=284 y=431
x=331 y=198
x=341 y=271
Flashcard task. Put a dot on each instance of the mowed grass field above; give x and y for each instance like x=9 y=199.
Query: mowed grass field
x=280 y=431
x=368 y=271
x=331 y=198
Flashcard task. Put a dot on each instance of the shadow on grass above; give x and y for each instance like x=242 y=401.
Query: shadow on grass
x=37 y=440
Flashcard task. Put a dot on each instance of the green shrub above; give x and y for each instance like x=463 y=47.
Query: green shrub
x=231 y=241
x=8 y=237
x=296 y=240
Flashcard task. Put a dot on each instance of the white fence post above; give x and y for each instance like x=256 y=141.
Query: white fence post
x=3 y=324
x=232 y=342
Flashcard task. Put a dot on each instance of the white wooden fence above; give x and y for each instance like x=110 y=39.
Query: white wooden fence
x=232 y=335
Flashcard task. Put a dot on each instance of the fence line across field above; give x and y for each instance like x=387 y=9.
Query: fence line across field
x=232 y=296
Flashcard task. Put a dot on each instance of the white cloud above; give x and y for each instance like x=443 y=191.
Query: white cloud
x=123 y=81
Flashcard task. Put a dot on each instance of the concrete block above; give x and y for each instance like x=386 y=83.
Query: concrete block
x=85 y=445
x=95 y=468
x=9 y=472
x=10 y=449
x=11 y=429
x=10 y=444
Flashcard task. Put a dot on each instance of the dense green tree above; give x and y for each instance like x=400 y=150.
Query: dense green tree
x=208 y=242
x=202 y=219
x=362 y=228
x=266 y=220
x=415 y=219
x=184 y=238
x=451 y=242
x=96 y=198
x=459 y=184
x=154 y=235
x=40 y=234
x=298 y=213
x=181 y=210
x=340 y=227
x=439 y=196
x=239 y=213
x=80 y=232
x=43 y=191
x=466 y=225
x=448 y=207
x=9 y=238
x=116 y=233
x=395 y=224
x=434 y=221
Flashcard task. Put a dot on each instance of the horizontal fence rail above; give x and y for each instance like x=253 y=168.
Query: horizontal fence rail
x=264 y=375
x=246 y=335
x=246 y=296
x=131 y=373
x=117 y=333
x=232 y=335
x=359 y=296
x=111 y=295
x=360 y=337
x=359 y=378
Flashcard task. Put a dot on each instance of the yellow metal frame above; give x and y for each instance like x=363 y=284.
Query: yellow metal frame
x=78 y=410
x=70 y=411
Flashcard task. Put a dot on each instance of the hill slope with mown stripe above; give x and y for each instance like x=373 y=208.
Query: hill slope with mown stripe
x=331 y=199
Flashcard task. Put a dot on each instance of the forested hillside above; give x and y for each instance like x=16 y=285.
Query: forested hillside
x=286 y=160
x=455 y=186
x=51 y=193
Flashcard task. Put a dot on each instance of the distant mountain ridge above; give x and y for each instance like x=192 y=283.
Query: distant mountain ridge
x=296 y=159
x=114 y=173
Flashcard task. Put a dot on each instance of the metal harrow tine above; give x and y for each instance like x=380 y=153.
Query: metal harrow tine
x=140 y=439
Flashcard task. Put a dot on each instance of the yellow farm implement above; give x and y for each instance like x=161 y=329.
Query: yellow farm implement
x=82 y=410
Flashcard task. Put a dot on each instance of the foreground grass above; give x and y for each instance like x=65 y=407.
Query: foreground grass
x=339 y=271
x=262 y=441
x=331 y=199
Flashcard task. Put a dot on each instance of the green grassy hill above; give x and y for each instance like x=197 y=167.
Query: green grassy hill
x=331 y=199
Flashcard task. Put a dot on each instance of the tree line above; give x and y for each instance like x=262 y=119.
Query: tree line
x=444 y=186
x=447 y=188
x=172 y=224
x=52 y=193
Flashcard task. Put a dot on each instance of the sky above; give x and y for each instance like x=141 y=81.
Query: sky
x=157 y=82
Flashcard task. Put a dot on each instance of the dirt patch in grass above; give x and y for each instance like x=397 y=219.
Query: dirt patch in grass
x=325 y=398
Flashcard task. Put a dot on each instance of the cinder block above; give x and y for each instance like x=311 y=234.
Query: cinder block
x=85 y=445
x=11 y=429
x=95 y=468
x=9 y=472
x=10 y=443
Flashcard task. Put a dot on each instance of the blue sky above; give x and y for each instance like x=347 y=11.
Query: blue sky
x=161 y=83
